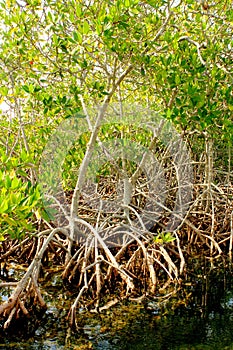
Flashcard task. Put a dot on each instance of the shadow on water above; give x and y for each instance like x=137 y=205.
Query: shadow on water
x=198 y=316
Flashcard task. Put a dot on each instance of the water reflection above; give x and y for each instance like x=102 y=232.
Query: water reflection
x=205 y=321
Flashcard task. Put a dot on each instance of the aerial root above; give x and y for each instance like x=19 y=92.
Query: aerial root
x=140 y=266
x=96 y=268
x=27 y=287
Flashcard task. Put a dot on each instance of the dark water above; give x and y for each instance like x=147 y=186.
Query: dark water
x=199 y=316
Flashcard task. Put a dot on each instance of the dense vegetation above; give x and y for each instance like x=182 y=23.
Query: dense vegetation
x=77 y=75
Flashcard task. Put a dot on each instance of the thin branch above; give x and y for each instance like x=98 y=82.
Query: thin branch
x=198 y=46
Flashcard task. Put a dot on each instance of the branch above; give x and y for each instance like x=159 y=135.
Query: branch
x=198 y=46
x=90 y=147
x=163 y=27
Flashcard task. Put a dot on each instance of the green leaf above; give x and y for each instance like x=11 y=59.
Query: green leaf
x=86 y=27
x=77 y=37
x=55 y=39
x=26 y=88
x=15 y=183
x=49 y=14
x=78 y=10
x=48 y=214
x=4 y=91
x=8 y=181
x=4 y=206
x=24 y=156
x=143 y=73
x=9 y=220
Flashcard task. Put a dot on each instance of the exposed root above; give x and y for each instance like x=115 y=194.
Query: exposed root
x=27 y=285
x=103 y=272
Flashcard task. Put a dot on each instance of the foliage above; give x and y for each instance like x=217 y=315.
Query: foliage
x=20 y=201
x=164 y=237
x=55 y=55
x=122 y=132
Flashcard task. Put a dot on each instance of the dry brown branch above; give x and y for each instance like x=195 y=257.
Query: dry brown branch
x=14 y=248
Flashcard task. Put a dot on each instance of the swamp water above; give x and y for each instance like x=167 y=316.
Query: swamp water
x=198 y=316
